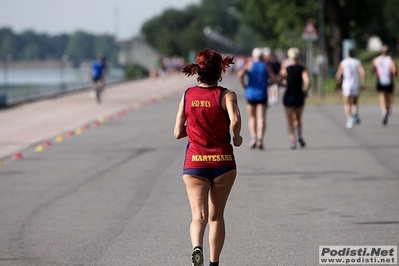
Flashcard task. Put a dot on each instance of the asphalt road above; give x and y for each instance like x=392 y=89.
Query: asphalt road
x=114 y=195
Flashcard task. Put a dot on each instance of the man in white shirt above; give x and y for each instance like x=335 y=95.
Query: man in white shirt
x=352 y=75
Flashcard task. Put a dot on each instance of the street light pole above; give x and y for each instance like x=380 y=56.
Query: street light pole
x=322 y=59
x=6 y=63
x=64 y=61
x=3 y=91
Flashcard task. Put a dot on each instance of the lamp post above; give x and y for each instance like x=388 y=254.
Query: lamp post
x=6 y=63
x=322 y=60
x=64 y=60
x=3 y=93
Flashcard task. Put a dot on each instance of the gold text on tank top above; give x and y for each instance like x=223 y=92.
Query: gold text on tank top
x=211 y=158
x=200 y=103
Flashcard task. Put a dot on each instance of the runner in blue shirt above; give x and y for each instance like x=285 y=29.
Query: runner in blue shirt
x=254 y=78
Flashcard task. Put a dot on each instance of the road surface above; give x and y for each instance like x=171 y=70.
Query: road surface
x=114 y=195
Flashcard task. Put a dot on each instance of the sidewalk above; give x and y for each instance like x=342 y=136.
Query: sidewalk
x=27 y=124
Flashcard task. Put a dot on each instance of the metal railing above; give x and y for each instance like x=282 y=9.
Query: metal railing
x=21 y=91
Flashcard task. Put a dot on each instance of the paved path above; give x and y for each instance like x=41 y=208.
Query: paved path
x=28 y=124
x=114 y=194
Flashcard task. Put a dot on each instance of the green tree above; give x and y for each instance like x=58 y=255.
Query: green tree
x=105 y=44
x=9 y=44
x=280 y=23
x=57 y=46
x=277 y=23
x=31 y=52
x=164 y=32
x=80 y=46
x=33 y=45
x=378 y=18
x=177 y=32
x=341 y=15
x=215 y=13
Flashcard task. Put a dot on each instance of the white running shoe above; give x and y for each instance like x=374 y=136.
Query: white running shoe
x=349 y=123
x=197 y=257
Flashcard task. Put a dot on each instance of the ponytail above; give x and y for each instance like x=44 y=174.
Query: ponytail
x=226 y=62
x=209 y=66
x=191 y=69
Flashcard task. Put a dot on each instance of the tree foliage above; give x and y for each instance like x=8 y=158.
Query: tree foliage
x=78 y=46
x=248 y=23
x=280 y=23
x=277 y=23
x=176 y=32
x=9 y=43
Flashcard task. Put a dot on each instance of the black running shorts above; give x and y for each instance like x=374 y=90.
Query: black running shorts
x=293 y=100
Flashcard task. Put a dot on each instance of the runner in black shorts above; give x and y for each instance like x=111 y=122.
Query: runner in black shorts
x=385 y=69
x=209 y=116
x=294 y=96
x=387 y=88
x=254 y=103
x=290 y=100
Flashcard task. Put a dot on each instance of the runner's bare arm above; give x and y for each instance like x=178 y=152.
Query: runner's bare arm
x=283 y=75
x=373 y=69
x=180 y=127
x=393 y=68
x=306 y=80
x=235 y=117
x=272 y=76
x=362 y=77
x=241 y=75
x=338 y=75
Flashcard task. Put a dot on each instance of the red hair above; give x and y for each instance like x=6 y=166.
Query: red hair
x=209 y=66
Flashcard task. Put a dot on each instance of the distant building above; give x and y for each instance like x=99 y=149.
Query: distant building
x=138 y=52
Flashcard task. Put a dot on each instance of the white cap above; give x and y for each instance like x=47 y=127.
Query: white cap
x=266 y=51
x=257 y=53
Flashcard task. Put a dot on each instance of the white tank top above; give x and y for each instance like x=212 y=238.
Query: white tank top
x=383 y=66
x=350 y=72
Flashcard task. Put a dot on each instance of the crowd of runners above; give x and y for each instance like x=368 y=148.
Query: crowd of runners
x=287 y=79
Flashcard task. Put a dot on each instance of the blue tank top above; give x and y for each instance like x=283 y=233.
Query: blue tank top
x=257 y=82
x=97 y=69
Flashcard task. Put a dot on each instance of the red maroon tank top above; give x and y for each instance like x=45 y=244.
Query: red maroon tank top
x=208 y=129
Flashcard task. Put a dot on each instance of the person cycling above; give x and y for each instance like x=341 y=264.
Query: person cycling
x=97 y=72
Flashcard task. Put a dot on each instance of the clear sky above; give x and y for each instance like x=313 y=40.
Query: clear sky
x=125 y=17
